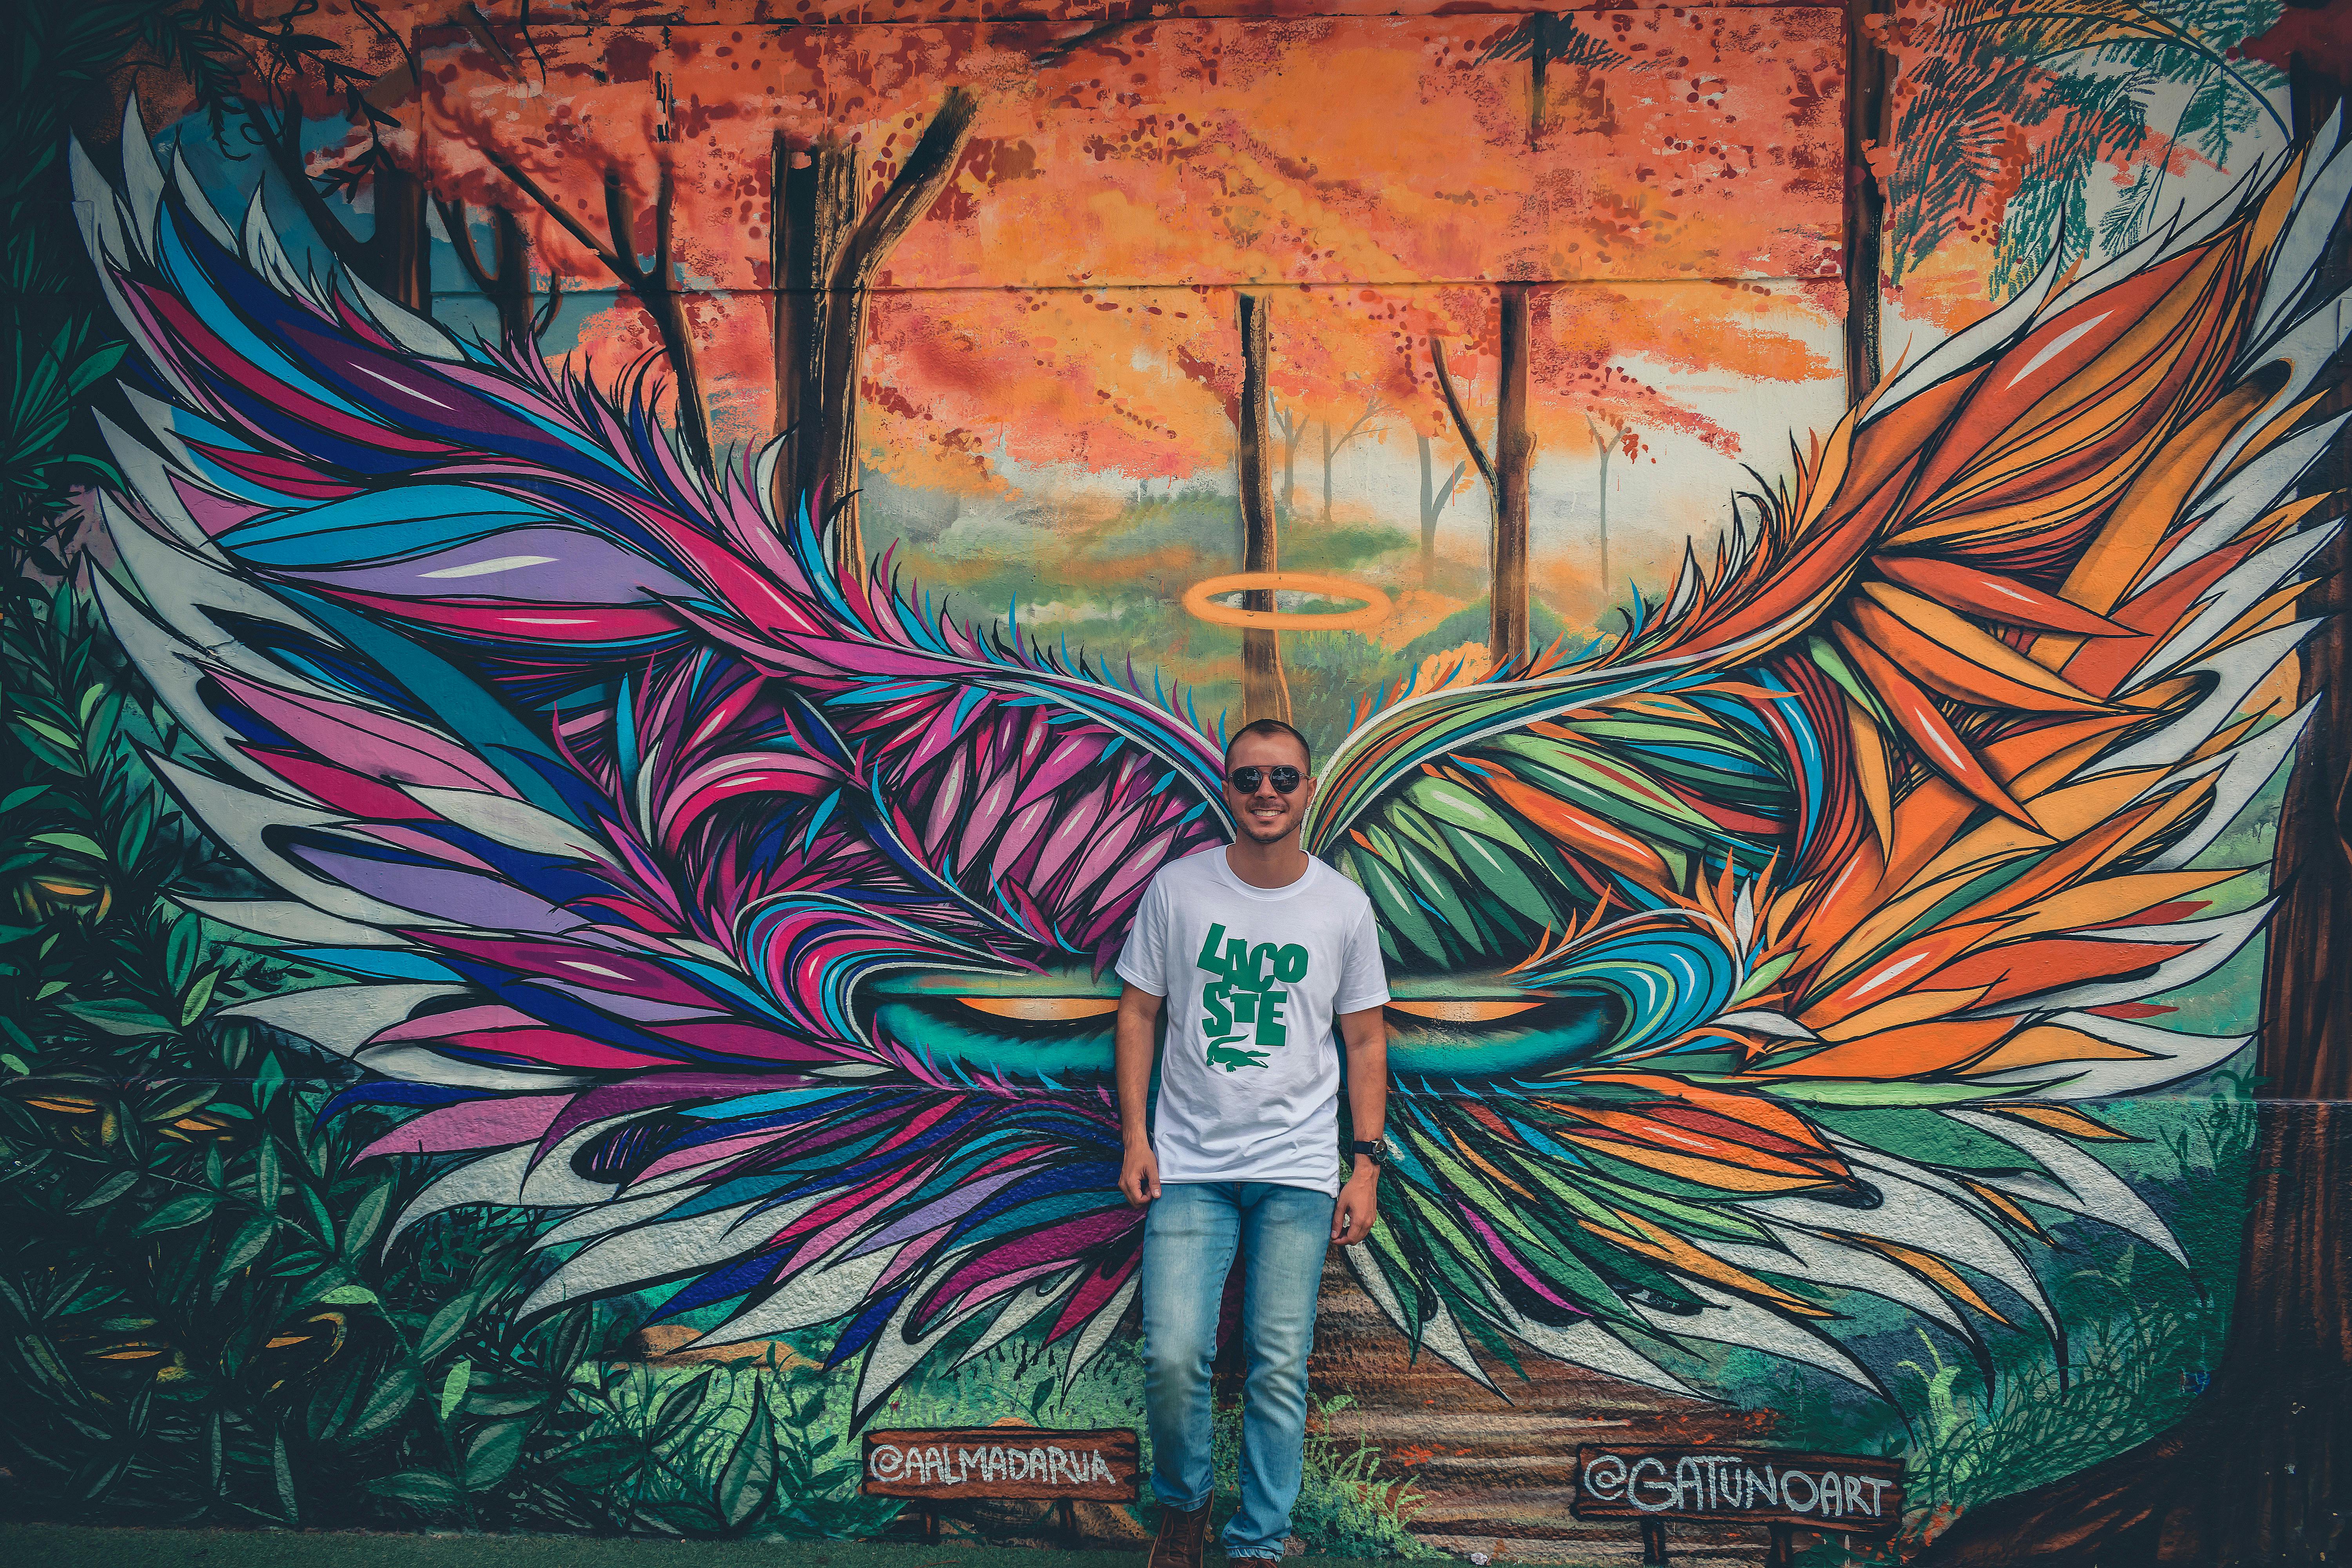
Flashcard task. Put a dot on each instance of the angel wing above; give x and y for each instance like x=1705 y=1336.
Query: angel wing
x=750 y=922
x=747 y=918
x=1781 y=946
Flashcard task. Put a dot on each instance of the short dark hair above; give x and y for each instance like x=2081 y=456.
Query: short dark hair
x=1270 y=727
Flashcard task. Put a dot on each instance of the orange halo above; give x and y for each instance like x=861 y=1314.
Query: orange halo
x=1375 y=603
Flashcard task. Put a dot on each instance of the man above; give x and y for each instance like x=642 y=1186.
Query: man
x=1261 y=947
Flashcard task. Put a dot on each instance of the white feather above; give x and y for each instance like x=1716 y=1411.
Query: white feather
x=2168 y=1056
x=340 y=1019
x=1727 y=1320
x=2245 y=769
x=2083 y=1185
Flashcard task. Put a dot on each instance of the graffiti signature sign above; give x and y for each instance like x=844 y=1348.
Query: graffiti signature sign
x=1843 y=1492
x=941 y=1464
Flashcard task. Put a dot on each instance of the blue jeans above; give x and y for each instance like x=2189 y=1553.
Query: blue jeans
x=1189 y=1237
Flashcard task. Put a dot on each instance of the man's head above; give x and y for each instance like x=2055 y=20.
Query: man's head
x=1264 y=755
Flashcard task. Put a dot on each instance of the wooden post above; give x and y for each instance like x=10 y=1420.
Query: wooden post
x=1654 y=1541
x=1782 y=1552
x=1065 y=1513
x=1265 y=693
x=1515 y=450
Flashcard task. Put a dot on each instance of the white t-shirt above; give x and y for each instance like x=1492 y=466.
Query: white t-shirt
x=1249 y=1074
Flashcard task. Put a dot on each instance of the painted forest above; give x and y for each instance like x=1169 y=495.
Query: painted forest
x=610 y=603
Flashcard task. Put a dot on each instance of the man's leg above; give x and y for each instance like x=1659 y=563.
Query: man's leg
x=1285 y=1231
x=1189 y=1235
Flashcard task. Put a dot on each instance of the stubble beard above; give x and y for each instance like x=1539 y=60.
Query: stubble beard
x=1256 y=834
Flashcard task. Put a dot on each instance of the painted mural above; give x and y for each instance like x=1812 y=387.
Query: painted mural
x=609 y=610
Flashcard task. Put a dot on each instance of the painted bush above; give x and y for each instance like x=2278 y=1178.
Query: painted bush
x=562 y=961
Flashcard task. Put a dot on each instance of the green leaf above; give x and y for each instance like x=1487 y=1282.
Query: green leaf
x=418 y=1489
x=66 y=743
x=391 y=1397
x=247 y=1245
x=91 y=369
x=113 y=1188
x=181 y=951
x=747 y=1483
x=267 y=1079
x=359 y=1228
x=80 y=842
x=677 y=1407
x=492 y=1454
x=180 y=1211
x=24 y=796
x=269 y=1184
x=199 y=997
x=291 y=1508
x=442 y=1330
x=454 y=1386
x=119 y=1015
x=352 y=1296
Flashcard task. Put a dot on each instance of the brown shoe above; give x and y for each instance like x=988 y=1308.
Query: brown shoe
x=1184 y=1536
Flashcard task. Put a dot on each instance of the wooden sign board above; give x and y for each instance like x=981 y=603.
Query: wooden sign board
x=944 y=1465
x=1844 y=1493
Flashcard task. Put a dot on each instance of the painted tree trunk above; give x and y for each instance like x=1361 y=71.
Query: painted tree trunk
x=846 y=251
x=1607 y=582
x=1265 y=694
x=1326 y=470
x=815 y=206
x=1428 y=512
x=509 y=287
x=1515 y=450
x=399 y=263
x=506 y=281
x=1865 y=203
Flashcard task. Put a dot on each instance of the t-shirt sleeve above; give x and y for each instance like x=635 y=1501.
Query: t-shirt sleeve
x=1363 y=983
x=1143 y=961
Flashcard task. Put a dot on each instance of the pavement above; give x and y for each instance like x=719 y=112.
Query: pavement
x=80 y=1546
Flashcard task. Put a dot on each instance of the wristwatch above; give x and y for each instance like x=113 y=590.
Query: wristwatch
x=1376 y=1150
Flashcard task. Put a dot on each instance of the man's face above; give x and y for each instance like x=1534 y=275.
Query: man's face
x=1266 y=814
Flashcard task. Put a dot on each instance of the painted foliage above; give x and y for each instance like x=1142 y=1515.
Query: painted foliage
x=575 y=810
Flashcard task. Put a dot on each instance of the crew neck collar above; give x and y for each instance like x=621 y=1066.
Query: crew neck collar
x=1232 y=879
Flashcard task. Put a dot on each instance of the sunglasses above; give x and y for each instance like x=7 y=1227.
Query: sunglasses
x=1284 y=779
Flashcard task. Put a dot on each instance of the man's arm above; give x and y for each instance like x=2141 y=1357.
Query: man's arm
x=1139 y=1168
x=1366 y=1037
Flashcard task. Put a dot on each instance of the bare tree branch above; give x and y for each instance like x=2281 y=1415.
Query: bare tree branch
x=1461 y=416
x=655 y=286
x=554 y=209
x=621 y=217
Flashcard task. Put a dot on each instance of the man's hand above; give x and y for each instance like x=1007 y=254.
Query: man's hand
x=1138 y=1174
x=1359 y=1203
